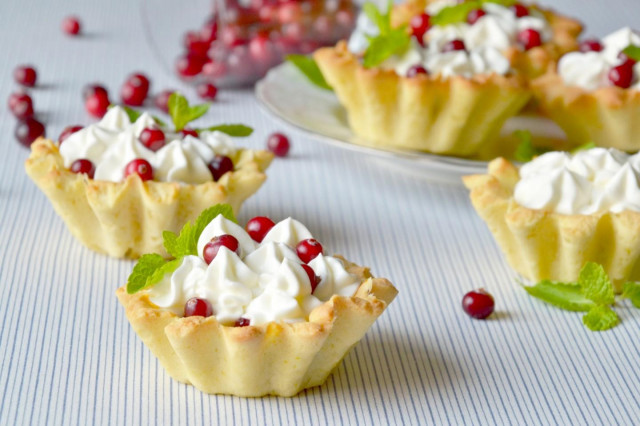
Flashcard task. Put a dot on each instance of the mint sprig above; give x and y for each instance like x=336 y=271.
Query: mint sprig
x=631 y=291
x=562 y=295
x=632 y=52
x=310 y=69
x=458 y=13
x=236 y=130
x=152 y=268
x=182 y=113
x=388 y=42
x=526 y=151
x=601 y=318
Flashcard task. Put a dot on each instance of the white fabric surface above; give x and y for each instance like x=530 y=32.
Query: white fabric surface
x=69 y=356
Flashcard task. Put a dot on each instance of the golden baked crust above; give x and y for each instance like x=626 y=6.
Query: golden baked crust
x=277 y=358
x=126 y=219
x=453 y=116
x=547 y=245
x=607 y=116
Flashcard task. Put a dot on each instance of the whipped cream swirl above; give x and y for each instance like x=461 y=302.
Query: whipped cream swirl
x=590 y=70
x=591 y=181
x=113 y=142
x=264 y=282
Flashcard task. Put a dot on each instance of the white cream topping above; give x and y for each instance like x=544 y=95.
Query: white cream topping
x=264 y=282
x=590 y=70
x=113 y=142
x=591 y=181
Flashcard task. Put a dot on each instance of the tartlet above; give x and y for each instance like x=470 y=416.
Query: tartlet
x=271 y=357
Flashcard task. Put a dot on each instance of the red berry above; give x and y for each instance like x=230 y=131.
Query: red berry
x=21 y=105
x=207 y=91
x=152 y=138
x=161 y=100
x=474 y=15
x=71 y=25
x=190 y=65
x=519 y=10
x=139 y=80
x=209 y=32
x=314 y=280
x=97 y=104
x=220 y=165
x=140 y=167
x=28 y=131
x=92 y=89
x=415 y=70
x=231 y=37
x=420 y=24
x=591 y=46
x=83 y=166
x=262 y=49
x=258 y=227
x=453 y=45
x=68 y=131
x=189 y=132
x=242 y=322
x=196 y=307
x=211 y=249
x=133 y=95
x=278 y=144
x=214 y=69
x=624 y=58
x=622 y=75
x=25 y=75
x=478 y=304
x=308 y=249
x=529 y=38
x=194 y=43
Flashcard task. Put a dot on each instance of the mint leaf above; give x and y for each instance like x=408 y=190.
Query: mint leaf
x=595 y=284
x=632 y=52
x=505 y=3
x=384 y=46
x=382 y=21
x=583 y=147
x=526 y=151
x=181 y=113
x=631 y=291
x=159 y=273
x=562 y=295
x=144 y=269
x=171 y=244
x=310 y=69
x=600 y=318
x=237 y=130
x=454 y=14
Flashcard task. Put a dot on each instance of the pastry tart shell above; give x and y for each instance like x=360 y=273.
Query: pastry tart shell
x=126 y=219
x=277 y=358
x=546 y=245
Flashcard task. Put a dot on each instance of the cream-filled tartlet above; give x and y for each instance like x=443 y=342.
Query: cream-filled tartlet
x=251 y=313
x=451 y=84
x=117 y=184
x=594 y=94
x=560 y=211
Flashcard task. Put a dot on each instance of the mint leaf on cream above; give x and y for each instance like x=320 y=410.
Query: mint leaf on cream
x=182 y=113
x=382 y=21
x=632 y=52
x=583 y=147
x=564 y=296
x=310 y=69
x=526 y=151
x=631 y=291
x=600 y=318
x=146 y=267
x=236 y=130
x=389 y=42
x=454 y=14
x=595 y=284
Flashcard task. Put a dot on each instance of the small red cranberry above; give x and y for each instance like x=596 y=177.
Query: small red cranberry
x=220 y=165
x=188 y=132
x=207 y=91
x=474 y=15
x=68 y=131
x=519 y=10
x=529 y=38
x=622 y=75
x=161 y=100
x=194 y=43
x=278 y=144
x=308 y=249
x=196 y=307
x=71 y=25
x=209 y=32
x=591 y=46
x=314 y=280
x=21 y=105
x=153 y=139
x=242 y=322
x=211 y=249
x=28 y=131
x=453 y=46
x=190 y=65
x=83 y=166
x=258 y=227
x=25 y=75
x=420 y=24
x=92 y=89
x=140 y=167
x=415 y=70
x=478 y=304
x=97 y=104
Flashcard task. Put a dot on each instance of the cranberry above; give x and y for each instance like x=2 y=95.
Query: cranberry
x=92 y=89
x=21 y=105
x=308 y=249
x=97 y=104
x=190 y=65
x=624 y=58
x=194 y=43
x=152 y=138
x=474 y=15
x=230 y=36
x=188 y=132
x=622 y=75
x=196 y=307
x=25 y=75
x=415 y=70
x=278 y=144
x=28 y=131
x=214 y=69
x=83 y=166
x=207 y=91
x=135 y=90
x=314 y=280
x=453 y=45
x=529 y=38
x=591 y=46
x=519 y=10
x=220 y=165
x=258 y=227
x=211 y=249
x=242 y=322
x=261 y=49
x=161 y=100
x=420 y=24
x=71 y=25
x=140 y=167
x=68 y=131
x=139 y=80
x=209 y=31
x=478 y=304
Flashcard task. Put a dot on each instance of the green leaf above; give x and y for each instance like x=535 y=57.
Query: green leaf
x=171 y=244
x=131 y=113
x=454 y=14
x=236 y=130
x=382 y=21
x=181 y=113
x=159 y=273
x=310 y=69
x=600 y=318
x=583 y=147
x=595 y=284
x=505 y=3
x=631 y=291
x=632 y=52
x=145 y=268
x=526 y=151
x=562 y=295
x=384 y=46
